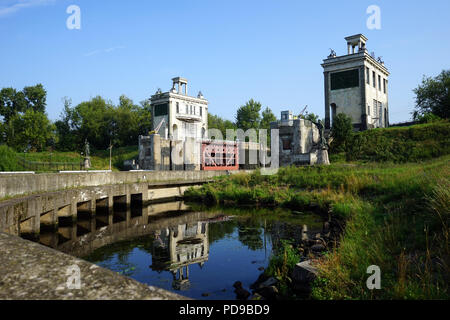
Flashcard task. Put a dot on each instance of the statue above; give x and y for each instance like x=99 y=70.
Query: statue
x=322 y=152
x=86 y=148
x=322 y=142
x=87 y=158
x=332 y=54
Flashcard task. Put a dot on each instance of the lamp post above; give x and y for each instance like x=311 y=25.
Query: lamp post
x=110 y=154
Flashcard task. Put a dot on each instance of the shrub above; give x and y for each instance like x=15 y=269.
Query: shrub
x=8 y=159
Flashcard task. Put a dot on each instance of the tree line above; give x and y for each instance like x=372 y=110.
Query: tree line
x=24 y=124
x=251 y=115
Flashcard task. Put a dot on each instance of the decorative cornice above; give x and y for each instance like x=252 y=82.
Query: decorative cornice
x=167 y=95
x=360 y=56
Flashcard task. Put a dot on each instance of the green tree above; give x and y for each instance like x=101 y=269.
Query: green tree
x=267 y=118
x=93 y=120
x=67 y=137
x=11 y=103
x=216 y=122
x=248 y=116
x=341 y=132
x=311 y=117
x=433 y=96
x=31 y=130
x=129 y=121
x=36 y=97
x=100 y=122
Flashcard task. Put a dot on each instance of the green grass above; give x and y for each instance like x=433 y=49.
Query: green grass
x=396 y=217
x=399 y=144
x=9 y=159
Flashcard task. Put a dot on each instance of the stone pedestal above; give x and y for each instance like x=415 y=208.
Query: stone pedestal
x=322 y=157
x=87 y=163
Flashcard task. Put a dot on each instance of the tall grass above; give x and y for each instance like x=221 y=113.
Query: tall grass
x=400 y=144
x=396 y=217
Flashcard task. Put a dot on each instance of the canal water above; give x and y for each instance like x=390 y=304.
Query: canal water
x=190 y=250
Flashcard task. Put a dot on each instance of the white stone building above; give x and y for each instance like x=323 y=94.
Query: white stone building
x=183 y=115
x=299 y=141
x=356 y=84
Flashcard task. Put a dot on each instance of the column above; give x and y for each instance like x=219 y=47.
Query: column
x=327 y=100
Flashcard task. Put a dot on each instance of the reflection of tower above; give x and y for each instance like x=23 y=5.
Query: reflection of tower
x=184 y=245
x=160 y=250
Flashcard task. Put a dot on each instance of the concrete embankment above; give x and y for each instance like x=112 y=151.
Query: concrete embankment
x=15 y=185
x=29 y=270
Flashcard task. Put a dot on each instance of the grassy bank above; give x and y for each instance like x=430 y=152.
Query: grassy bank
x=9 y=159
x=396 y=217
x=398 y=144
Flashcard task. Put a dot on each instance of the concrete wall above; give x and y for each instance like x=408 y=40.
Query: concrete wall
x=157 y=153
x=31 y=271
x=28 y=214
x=374 y=93
x=356 y=102
x=303 y=137
x=14 y=185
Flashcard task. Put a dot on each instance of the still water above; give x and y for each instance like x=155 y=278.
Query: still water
x=196 y=252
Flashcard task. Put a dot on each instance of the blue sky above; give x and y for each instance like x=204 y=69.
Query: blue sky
x=230 y=50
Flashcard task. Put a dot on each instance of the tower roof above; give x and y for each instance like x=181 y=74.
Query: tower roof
x=356 y=38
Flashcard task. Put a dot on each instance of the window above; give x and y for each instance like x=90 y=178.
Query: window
x=190 y=109
x=187 y=109
x=375 y=103
x=178 y=107
x=384 y=85
x=161 y=109
x=201 y=112
x=345 y=79
x=368 y=75
x=368 y=109
x=379 y=82
x=373 y=79
x=286 y=144
x=380 y=118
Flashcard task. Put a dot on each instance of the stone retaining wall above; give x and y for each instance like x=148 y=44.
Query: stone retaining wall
x=29 y=270
x=14 y=185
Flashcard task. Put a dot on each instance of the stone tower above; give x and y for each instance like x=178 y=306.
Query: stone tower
x=184 y=116
x=356 y=84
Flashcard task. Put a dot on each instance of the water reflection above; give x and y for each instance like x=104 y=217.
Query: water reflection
x=174 y=249
x=199 y=254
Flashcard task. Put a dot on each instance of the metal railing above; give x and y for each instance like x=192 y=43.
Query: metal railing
x=49 y=166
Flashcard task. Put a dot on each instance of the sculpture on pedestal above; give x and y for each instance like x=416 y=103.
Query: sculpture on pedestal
x=87 y=158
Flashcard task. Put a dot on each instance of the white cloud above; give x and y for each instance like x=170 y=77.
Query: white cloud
x=17 y=5
x=109 y=50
